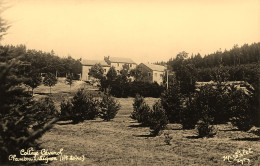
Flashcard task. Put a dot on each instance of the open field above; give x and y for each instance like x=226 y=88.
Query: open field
x=123 y=142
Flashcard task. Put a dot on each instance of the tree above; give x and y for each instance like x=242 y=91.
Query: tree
x=108 y=108
x=186 y=75
x=138 y=101
x=20 y=123
x=96 y=71
x=125 y=70
x=137 y=73
x=50 y=80
x=33 y=80
x=111 y=74
x=83 y=106
x=221 y=74
x=158 y=119
x=69 y=80
x=182 y=55
x=171 y=101
x=18 y=112
x=3 y=24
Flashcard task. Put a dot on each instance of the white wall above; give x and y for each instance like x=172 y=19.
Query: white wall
x=158 y=77
x=85 y=71
x=106 y=70
x=119 y=66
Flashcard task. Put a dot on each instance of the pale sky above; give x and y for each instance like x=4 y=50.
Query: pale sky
x=144 y=30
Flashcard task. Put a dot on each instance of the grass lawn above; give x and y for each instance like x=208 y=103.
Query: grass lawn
x=123 y=142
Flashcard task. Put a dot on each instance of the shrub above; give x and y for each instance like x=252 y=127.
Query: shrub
x=104 y=84
x=158 y=119
x=212 y=100
x=243 y=123
x=43 y=111
x=111 y=74
x=204 y=129
x=220 y=104
x=171 y=101
x=141 y=111
x=108 y=108
x=143 y=115
x=144 y=89
x=242 y=109
x=121 y=87
x=65 y=109
x=221 y=114
x=167 y=138
x=82 y=107
x=138 y=101
x=96 y=71
x=190 y=114
x=205 y=110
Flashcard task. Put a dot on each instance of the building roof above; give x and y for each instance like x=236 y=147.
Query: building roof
x=155 y=67
x=120 y=60
x=86 y=62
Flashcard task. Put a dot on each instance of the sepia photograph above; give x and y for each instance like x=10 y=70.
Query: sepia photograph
x=127 y=82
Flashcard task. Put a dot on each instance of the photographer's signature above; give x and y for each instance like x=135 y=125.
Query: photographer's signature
x=30 y=154
x=239 y=156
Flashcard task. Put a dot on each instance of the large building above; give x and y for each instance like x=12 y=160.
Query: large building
x=86 y=66
x=119 y=62
x=152 y=73
x=108 y=62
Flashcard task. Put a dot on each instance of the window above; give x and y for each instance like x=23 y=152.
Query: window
x=130 y=65
x=117 y=64
x=149 y=74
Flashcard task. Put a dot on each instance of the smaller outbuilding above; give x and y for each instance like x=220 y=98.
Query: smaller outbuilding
x=152 y=73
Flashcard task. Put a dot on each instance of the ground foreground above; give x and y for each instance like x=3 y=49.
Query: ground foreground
x=123 y=142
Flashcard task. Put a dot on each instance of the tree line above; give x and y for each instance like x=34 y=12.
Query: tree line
x=37 y=61
x=237 y=64
x=246 y=54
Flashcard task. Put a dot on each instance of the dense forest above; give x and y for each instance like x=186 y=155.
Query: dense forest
x=40 y=62
x=245 y=54
x=237 y=64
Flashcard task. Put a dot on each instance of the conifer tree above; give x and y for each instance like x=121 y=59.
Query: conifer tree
x=50 y=80
x=22 y=120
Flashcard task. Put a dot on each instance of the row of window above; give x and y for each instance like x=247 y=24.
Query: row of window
x=155 y=74
x=105 y=70
x=149 y=73
x=130 y=65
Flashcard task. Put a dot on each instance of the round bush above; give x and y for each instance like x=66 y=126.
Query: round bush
x=108 y=108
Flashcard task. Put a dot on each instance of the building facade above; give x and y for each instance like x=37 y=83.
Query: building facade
x=108 y=62
x=119 y=62
x=152 y=73
x=86 y=66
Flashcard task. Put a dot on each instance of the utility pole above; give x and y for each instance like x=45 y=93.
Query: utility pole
x=167 y=79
